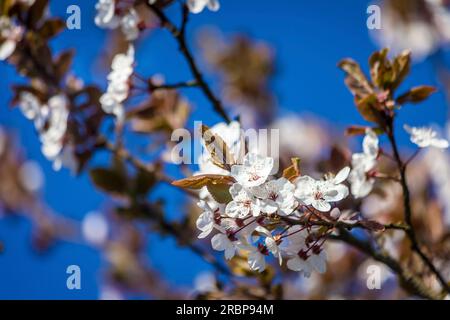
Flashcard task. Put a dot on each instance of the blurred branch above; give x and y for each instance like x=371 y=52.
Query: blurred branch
x=409 y=281
x=179 y=35
x=402 y=167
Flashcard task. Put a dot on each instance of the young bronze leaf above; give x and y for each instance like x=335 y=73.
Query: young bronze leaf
x=378 y=66
x=200 y=181
x=218 y=149
x=36 y=13
x=401 y=65
x=51 y=28
x=355 y=80
x=293 y=171
x=372 y=225
x=367 y=107
x=416 y=94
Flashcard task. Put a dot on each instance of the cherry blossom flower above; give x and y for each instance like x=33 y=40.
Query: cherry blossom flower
x=276 y=195
x=257 y=257
x=52 y=137
x=205 y=222
x=118 y=87
x=10 y=35
x=130 y=25
x=426 y=137
x=362 y=163
x=108 y=18
x=197 y=6
x=319 y=193
x=222 y=242
x=106 y=14
x=243 y=204
x=306 y=264
x=254 y=170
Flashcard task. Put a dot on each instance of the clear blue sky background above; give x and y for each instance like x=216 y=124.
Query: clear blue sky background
x=309 y=38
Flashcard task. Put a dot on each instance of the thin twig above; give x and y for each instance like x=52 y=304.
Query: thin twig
x=408 y=211
x=179 y=35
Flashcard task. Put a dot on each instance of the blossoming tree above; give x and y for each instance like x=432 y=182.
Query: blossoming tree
x=270 y=223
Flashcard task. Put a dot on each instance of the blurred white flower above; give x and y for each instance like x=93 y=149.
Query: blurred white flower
x=130 y=25
x=300 y=137
x=108 y=18
x=205 y=282
x=362 y=164
x=52 y=136
x=95 y=228
x=31 y=176
x=197 y=6
x=254 y=170
x=10 y=35
x=106 y=14
x=426 y=137
x=118 y=86
x=420 y=28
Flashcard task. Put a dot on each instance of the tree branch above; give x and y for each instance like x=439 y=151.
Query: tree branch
x=408 y=211
x=179 y=35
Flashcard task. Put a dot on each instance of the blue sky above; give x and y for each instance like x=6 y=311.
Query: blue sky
x=309 y=38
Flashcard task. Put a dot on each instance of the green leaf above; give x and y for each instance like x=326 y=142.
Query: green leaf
x=416 y=94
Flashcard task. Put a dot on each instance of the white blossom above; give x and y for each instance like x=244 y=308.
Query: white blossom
x=52 y=137
x=276 y=195
x=319 y=193
x=314 y=262
x=362 y=164
x=254 y=170
x=130 y=25
x=10 y=35
x=243 y=203
x=426 y=137
x=221 y=242
x=108 y=18
x=205 y=222
x=197 y=6
x=118 y=86
x=106 y=14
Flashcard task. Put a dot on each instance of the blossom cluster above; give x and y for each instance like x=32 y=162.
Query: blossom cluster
x=250 y=223
x=363 y=174
x=118 y=84
x=50 y=120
